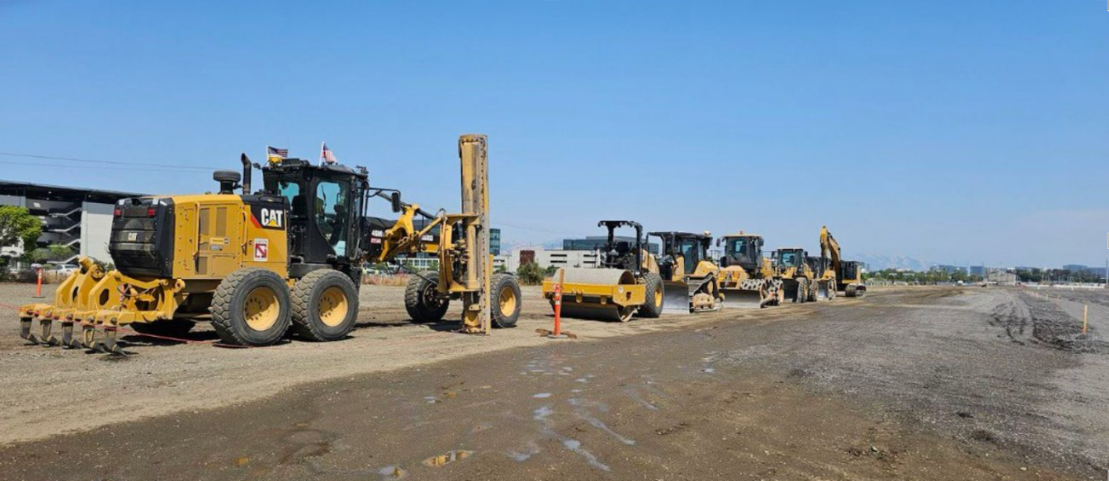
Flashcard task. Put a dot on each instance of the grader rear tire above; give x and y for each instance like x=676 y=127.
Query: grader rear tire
x=505 y=300
x=655 y=297
x=251 y=307
x=422 y=300
x=325 y=306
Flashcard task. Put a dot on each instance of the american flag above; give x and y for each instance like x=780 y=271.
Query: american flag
x=274 y=154
x=325 y=154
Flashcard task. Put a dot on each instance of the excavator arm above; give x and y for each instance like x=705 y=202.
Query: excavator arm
x=829 y=248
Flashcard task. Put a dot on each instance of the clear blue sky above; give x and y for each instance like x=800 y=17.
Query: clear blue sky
x=947 y=131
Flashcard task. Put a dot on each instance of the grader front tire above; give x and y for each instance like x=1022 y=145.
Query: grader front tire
x=505 y=300
x=251 y=307
x=325 y=306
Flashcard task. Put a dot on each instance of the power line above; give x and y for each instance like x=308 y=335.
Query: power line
x=107 y=162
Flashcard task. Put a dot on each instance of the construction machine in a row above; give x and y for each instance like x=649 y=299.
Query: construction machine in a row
x=626 y=282
x=630 y=281
x=847 y=276
x=286 y=257
x=748 y=279
x=691 y=280
x=802 y=278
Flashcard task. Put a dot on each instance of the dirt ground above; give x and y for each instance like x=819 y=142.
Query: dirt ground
x=922 y=383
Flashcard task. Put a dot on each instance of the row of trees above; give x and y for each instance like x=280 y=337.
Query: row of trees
x=1058 y=275
x=928 y=277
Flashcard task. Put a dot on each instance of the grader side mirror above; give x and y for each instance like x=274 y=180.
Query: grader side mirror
x=395 y=200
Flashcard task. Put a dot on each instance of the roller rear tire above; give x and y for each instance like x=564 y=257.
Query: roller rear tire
x=655 y=298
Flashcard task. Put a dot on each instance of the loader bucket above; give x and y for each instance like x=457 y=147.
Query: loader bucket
x=675 y=297
x=743 y=299
x=598 y=294
x=824 y=290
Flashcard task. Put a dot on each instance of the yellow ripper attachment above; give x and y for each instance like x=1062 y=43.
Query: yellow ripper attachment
x=601 y=294
x=98 y=299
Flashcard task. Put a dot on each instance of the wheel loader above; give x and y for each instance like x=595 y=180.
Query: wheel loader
x=627 y=283
x=690 y=278
x=799 y=282
x=746 y=277
x=287 y=257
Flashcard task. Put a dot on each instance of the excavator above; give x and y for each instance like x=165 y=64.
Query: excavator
x=846 y=276
x=690 y=278
x=627 y=282
x=746 y=277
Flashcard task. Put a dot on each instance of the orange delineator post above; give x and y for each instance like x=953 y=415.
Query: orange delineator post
x=558 y=303
x=1085 y=314
x=38 y=285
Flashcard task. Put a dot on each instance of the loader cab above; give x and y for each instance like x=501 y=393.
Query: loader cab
x=787 y=258
x=325 y=214
x=619 y=254
x=743 y=250
x=681 y=252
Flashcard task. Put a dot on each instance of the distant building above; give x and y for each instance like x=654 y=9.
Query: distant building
x=1075 y=267
x=80 y=219
x=595 y=242
x=948 y=269
x=978 y=271
x=547 y=258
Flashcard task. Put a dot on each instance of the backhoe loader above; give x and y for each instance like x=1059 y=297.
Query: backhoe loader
x=747 y=279
x=289 y=256
x=690 y=278
x=627 y=282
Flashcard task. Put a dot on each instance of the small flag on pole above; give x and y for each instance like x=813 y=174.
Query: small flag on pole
x=276 y=155
x=325 y=154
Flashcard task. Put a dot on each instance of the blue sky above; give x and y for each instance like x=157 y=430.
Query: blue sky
x=947 y=131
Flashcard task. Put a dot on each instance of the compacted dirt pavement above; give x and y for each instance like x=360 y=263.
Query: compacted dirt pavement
x=917 y=383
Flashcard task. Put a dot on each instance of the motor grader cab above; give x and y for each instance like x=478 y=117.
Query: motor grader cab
x=627 y=282
x=746 y=277
x=798 y=279
x=257 y=264
x=690 y=278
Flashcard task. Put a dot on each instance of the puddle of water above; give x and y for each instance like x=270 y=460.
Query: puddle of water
x=708 y=370
x=391 y=472
x=542 y=395
x=430 y=399
x=575 y=391
x=522 y=456
x=542 y=413
x=575 y=446
x=447 y=458
x=581 y=380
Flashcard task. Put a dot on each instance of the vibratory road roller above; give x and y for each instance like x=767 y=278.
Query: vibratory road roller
x=626 y=284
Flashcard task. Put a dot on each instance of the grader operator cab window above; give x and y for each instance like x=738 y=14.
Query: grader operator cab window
x=331 y=214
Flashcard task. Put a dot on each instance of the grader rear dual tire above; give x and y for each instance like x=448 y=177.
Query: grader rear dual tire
x=251 y=307
x=325 y=306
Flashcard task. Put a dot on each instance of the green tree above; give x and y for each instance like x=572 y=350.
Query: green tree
x=18 y=228
x=530 y=274
x=54 y=252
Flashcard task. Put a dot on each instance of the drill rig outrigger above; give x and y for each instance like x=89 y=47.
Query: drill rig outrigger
x=286 y=257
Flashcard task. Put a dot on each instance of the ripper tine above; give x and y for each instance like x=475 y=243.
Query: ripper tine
x=68 y=342
x=88 y=337
x=110 y=345
x=47 y=338
x=25 y=329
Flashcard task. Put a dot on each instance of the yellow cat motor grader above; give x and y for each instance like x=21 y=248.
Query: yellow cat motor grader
x=626 y=283
x=258 y=264
x=746 y=277
x=690 y=278
x=798 y=278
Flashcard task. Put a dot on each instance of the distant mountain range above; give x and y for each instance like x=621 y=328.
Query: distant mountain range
x=879 y=262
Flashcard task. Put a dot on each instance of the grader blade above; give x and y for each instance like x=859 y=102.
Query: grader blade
x=676 y=296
